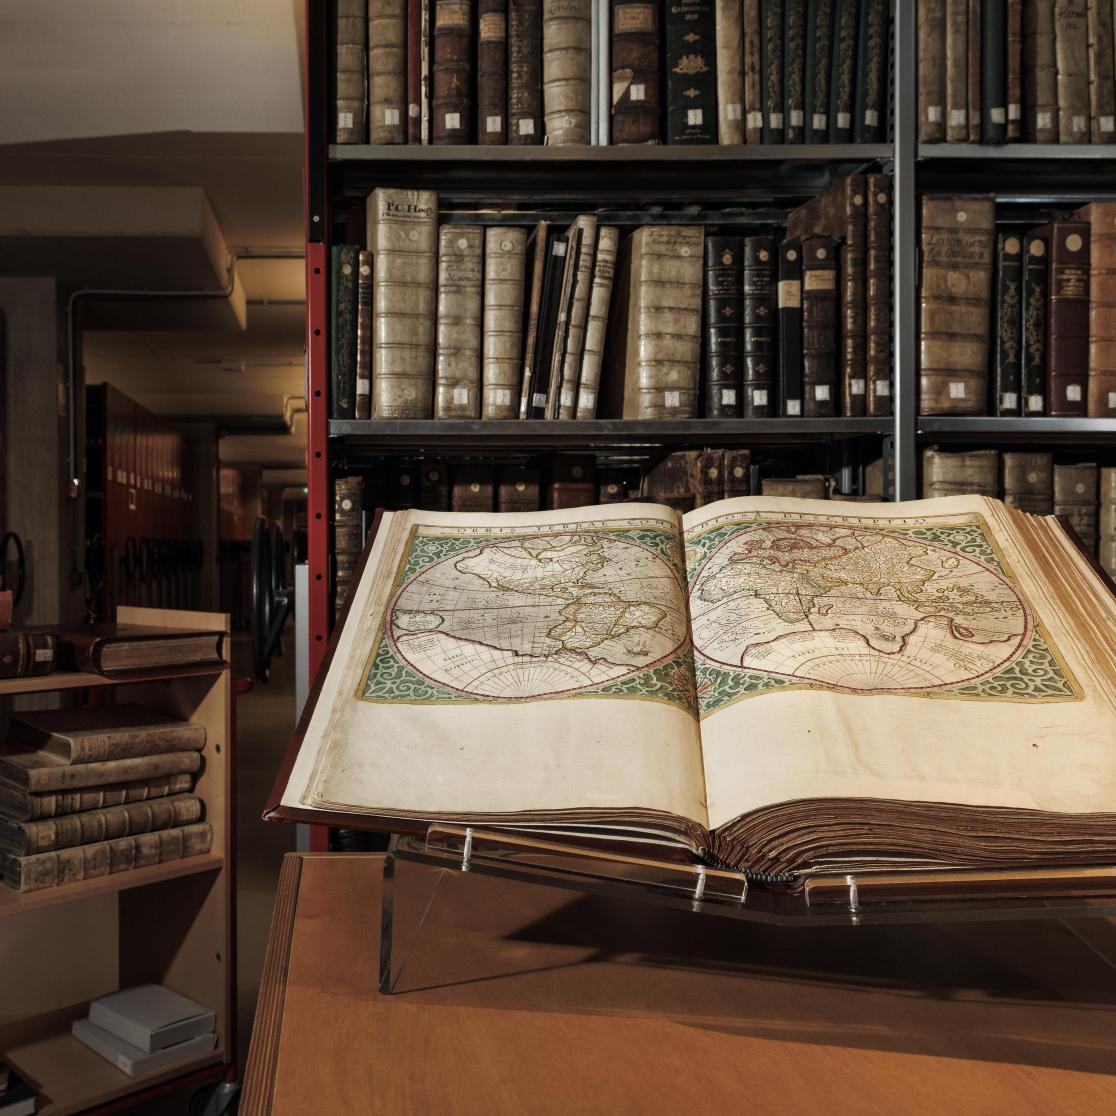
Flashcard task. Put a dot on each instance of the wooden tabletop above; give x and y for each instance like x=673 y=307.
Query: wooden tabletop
x=522 y=999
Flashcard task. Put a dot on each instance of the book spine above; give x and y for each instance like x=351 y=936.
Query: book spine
x=794 y=70
x=106 y=858
x=343 y=326
x=579 y=310
x=387 y=70
x=691 y=79
x=434 y=487
x=974 y=76
x=993 y=71
x=957 y=71
x=351 y=73
x=671 y=482
x=492 y=71
x=525 y=72
x=931 y=71
x=362 y=407
x=535 y=261
x=1007 y=365
x=104 y=747
x=730 y=71
x=18 y=803
x=403 y=238
x=1067 y=334
x=771 y=76
x=1075 y=497
x=819 y=326
x=348 y=536
x=414 y=71
x=608 y=241
x=853 y=230
x=457 y=352
x=1071 y=55
x=870 y=77
x=41 y=654
x=721 y=310
x=1035 y=290
x=504 y=260
x=452 y=72
x=843 y=77
x=759 y=348
x=707 y=480
x=1102 y=78
x=753 y=71
x=573 y=484
x=567 y=71
x=538 y=391
x=1102 y=309
x=1029 y=482
x=738 y=473
x=426 y=65
x=13 y=654
x=956 y=292
x=878 y=362
x=474 y=489
x=518 y=490
x=790 y=328
x=1040 y=73
x=1013 y=70
x=1106 y=548
x=562 y=319
x=819 y=40
x=974 y=472
x=636 y=48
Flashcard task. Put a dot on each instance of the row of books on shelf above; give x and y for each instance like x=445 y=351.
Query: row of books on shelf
x=671 y=321
x=561 y=72
x=1042 y=71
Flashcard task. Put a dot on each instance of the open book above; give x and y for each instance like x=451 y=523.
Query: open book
x=790 y=687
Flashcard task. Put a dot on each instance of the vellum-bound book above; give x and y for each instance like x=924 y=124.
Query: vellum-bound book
x=790 y=687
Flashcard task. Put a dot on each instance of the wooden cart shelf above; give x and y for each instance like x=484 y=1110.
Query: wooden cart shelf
x=81 y=680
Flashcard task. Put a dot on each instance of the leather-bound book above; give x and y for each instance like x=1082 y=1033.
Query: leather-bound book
x=1029 y=482
x=566 y=71
x=534 y=270
x=347 y=506
x=728 y=15
x=931 y=71
x=600 y=297
x=452 y=72
x=542 y=363
x=19 y=804
x=1106 y=541
x=343 y=329
x=808 y=487
x=691 y=80
x=878 y=359
x=842 y=82
x=578 y=314
x=654 y=348
x=1040 y=73
x=403 y=485
x=957 y=474
x=993 y=71
x=434 y=486
x=474 y=488
x=819 y=326
x=518 y=490
x=14 y=654
x=819 y=52
x=772 y=18
x=957 y=70
x=403 y=237
x=1036 y=285
x=1075 y=497
x=457 y=351
x=708 y=477
x=492 y=71
x=871 y=71
x=1102 y=76
x=974 y=30
x=958 y=236
x=738 y=473
x=612 y=486
x=759 y=340
x=1067 y=317
x=671 y=481
x=573 y=481
x=794 y=70
x=1007 y=371
x=636 y=50
x=525 y=125
x=1014 y=69
x=753 y=71
x=721 y=309
x=558 y=340
x=1071 y=56
x=1102 y=307
x=40 y=652
x=504 y=261
x=387 y=71
x=351 y=72
x=790 y=328
x=363 y=404
x=418 y=89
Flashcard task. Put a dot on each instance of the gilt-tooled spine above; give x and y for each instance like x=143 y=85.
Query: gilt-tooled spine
x=452 y=72
x=1014 y=69
x=790 y=327
x=931 y=71
x=691 y=79
x=636 y=49
x=868 y=121
x=794 y=70
x=753 y=71
x=1102 y=78
x=1071 y=56
x=579 y=310
x=525 y=126
x=759 y=342
x=1067 y=327
x=1007 y=364
x=819 y=50
x=351 y=72
x=19 y=804
x=600 y=296
x=771 y=69
x=457 y=352
x=878 y=358
x=1029 y=482
x=853 y=231
x=730 y=71
x=1106 y=543
x=566 y=70
x=819 y=326
x=343 y=328
x=721 y=310
x=363 y=403
x=1033 y=353
x=387 y=71
x=1075 y=497
x=1102 y=307
x=492 y=71
x=843 y=78
x=1040 y=73
x=504 y=260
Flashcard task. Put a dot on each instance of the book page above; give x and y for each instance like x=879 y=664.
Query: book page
x=947 y=650
x=502 y=664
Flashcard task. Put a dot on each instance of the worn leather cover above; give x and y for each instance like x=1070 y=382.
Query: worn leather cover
x=612 y=486
x=1067 y=323
x=1071 y=56
x=573 y=481
x=518 y=490
x=819 y=326
x=1102 y=307
x=1106 y=540
x=1075 y=497
x=363 y=404
x=387 y=71
x=416 y=92
x=728 y=16
x=721 y=312
x=434 y=486
x=993 y=71
x=974 y=30
x=771 y=69
x=1102 y=79
x=1035 y=288
x=879 y=356
x=600 y=297
x=671 y=481
x=403 y=236
x=561 y=332
x=636 y=72
x=504 y=261
x=1040 y=73
x=738 y=473
x=538 y=391
x=690 y=35
x=707 y=480
x=790 y=328
x=492 y=71
x=871 y=65
x=474 y=488
x=1013 y=69
x=452 y=72
x=956 y=293
x=957 y=70
x=956 y=474
x=403 y=484
x=842 y=84
x=566 y=71
x=525 y=126
x=753 y=71
x=819 y=49
x=931 y=71
x=759 y=340
x=457 y=352
x=343 y=329
x=351 y=72
x=1007 y=371
x=534 y=271
x=578 y=313
x=1029 y=482
x=808 y=487
x=794 y=70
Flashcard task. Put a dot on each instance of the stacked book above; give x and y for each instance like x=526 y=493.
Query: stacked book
x=1050 y=348
x=92 y=792
x=626 y=72
x=17 y=1097
x=147 y=1028
x=1034 y=70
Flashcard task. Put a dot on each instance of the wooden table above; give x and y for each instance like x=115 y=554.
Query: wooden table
x=529 y=1000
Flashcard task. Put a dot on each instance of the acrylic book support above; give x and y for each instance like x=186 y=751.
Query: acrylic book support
x=454 y=853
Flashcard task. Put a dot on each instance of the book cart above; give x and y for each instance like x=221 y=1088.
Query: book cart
x=171 y=923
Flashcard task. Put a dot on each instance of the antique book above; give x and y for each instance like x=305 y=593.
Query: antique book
x=601 y=90
x=492 y=71
x=1071 y=56
x=819 y=47
x=612 y=486
x=871 y=72
x=27 y=654
x=721 y=311
x=790 y=387
x=27 y=838
x=426 y=64
x=559 y=339
x=654 y=350
x=403 y=235
x=993 y=71
x=362 y=405
x=343 y=329
x=729 y=38
x=948 y=473
x=518 y=490
x=931 y=71
x=452 y=76
x=878 y=355
x=418 y=81
x=434 y=486
x=1029 y=482
x=753 y=33
x=1067 y=321
x=474 y=488
x=1007 y=370
x=535 y=260
x=689 y=37
x=772 y=57
x=1101 y=217
x=707 y=480
x=110 y=732
x=457 y=342
x=387 y=71
x=118 y=648
x=538 y=390
x=1040 y=73
x=38 y=771
x=402 y=485
x=1033 y=355
x=1075 y=497
x=351 y=72
x=974 y=30
x=636 y=71
x=573 y=481
x=1106 y=525
x=574 y=344
x=504 y=261
x=957 y=70
x=956 y=296
x=671 y=481
x=819 y=327
x=525 y=125
x=811 y=487
x=600 y=296
x=794 y=70
x=759 y=337
x=19 y=804
x=1102 y=76
x=842 y=83
x=566 y=71
x=151 y=1016
x=1013 y=66
x=738 y=472
x=105 y=858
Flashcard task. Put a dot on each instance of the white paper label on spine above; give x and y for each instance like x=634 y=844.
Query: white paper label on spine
x=413 y=110
x=999 y=115
x=391 y=116
x=461 y=396
x=693 y=116
x=728 y=397
x=526 y=127
x=844 y=120
x=871 y=117
x=1111 y=399
x=956 y=390
x=820 y=121
x=586 y=398
x=538 y=399
x=1073 y=393
x=776 y=119
x=501 y=396
x=453 y=121
x=934 y=114
x=754 y=120
x=883 y=387
x=344 y=120
x=1009 y=400
x=567 y=398
x=1034 y=403
x=672 y=399
x=493 y=123
x=735 y=112
x=1108 y=123
x=821 y=392
x=1079 y=124
x=797 y=118
x=637 y=91
x=960 y=116
x=759 y=397
x=1044 y=120
x=1015 y=111
x=44 y=655
x=856 y=387
x=794 y=407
